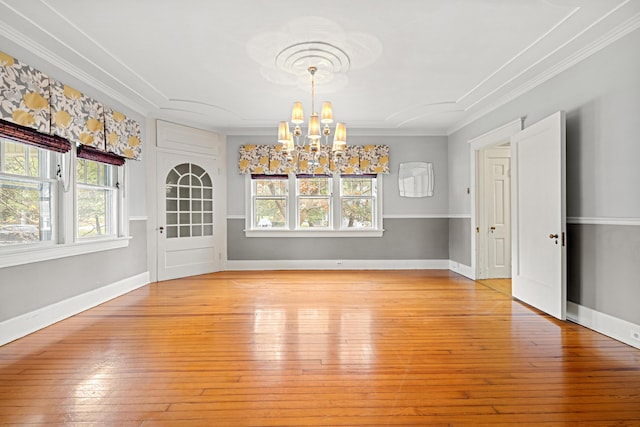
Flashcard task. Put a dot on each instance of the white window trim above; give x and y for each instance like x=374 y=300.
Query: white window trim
x=65 y=206
x=325 y=232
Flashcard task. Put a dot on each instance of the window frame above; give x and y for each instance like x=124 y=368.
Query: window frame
x=46 y=163
x=335 y=230
x=329 y=197
x=64 y=242
x=110 y=186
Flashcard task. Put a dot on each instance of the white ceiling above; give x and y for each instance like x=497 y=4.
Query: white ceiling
x=404 y=66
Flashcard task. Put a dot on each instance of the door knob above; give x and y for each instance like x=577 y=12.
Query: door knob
x=553 y=236
x=161 y=229
x=492 y=228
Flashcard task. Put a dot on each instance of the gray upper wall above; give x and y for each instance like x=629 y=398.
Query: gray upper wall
x=601 y=96
x=402 y=149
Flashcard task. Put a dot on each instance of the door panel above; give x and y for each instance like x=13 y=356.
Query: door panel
x=498 y=213
x=538 y=215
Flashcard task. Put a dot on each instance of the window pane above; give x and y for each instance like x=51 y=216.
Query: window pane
x=15 y=158
x=314 y=186
x=183 y=169
x=357 y=213
x=313 y=212
x=25 y=211
x=172 y=219
x=172 y=232
x=172 y=191
x=94 y=212
x=197 y=170
x=357 y=186
x=270 y=213
x=270 y=187
x=172 y=178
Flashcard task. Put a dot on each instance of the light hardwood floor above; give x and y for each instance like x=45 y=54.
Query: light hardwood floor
x=318 y=348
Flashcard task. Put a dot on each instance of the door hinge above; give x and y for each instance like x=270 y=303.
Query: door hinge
x=563 y=240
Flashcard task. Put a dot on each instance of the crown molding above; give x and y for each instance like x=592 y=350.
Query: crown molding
x=45 y=54
x=612 y=36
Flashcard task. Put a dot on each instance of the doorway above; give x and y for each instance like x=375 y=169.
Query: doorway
x=189 y=194
x=491 y=204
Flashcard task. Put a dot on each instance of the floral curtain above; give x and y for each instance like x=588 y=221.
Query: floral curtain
x=24 y=94
x=272 y=160
x=30 y=99
x=122 y=134
x=76 y=117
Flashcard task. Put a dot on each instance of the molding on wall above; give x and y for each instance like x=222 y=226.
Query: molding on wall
x=138 y=218
x=612 y=36
x=27 y=323
x=46 y=54
x=605 y=324
x=459 y=216
x=465 y=270
x=332 y=264
x=602 y=220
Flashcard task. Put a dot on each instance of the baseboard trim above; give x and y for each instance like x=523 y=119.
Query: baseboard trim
x=27 y=323
x=605 y=324
x=462 y=269
x=331 y=264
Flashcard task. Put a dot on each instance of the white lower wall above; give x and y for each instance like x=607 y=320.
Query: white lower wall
x=28 y=323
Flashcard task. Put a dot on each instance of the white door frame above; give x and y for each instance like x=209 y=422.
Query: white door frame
x=497 y=136
x=171 y=135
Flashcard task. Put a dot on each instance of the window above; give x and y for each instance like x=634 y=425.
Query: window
x=269 y=202
x=48 y=212
x=358 y=196
x=96 y=199
x=321 y=206
x=314 y=202
x=189 y=202
x=27 y=191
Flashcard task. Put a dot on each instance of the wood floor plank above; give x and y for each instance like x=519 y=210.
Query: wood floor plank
x=318 y=348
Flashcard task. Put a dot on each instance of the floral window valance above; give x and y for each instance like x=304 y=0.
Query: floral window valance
x=34 y=101
x=272 y=160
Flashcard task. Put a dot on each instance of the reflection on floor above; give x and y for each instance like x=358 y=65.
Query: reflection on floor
x=501 y=285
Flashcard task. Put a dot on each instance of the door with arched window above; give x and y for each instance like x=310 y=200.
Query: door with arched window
x=188 y=216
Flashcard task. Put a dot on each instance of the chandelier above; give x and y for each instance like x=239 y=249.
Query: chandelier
x=314 y=134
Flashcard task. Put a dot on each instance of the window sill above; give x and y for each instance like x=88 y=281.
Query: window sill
x=29 y=254
x=308 y=233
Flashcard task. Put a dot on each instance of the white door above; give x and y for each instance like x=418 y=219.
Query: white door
x=188 y=215
x=498 y=212
x=538 y=215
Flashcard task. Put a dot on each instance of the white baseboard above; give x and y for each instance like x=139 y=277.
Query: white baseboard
x=28 y=323
x=357 y=264
x=605 y=324
x=465 y=270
